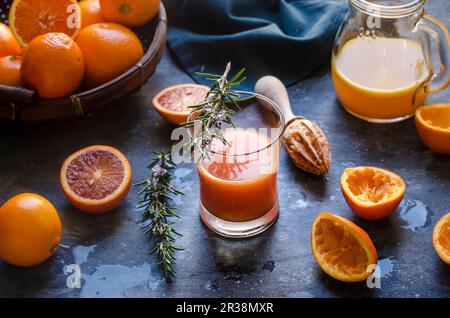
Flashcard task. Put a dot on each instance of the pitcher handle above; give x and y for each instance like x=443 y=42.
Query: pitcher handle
x=439 y=33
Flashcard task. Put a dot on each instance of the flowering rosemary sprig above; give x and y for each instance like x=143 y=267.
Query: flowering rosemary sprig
x=158 y=188
x=157 y=210
x=214 y=111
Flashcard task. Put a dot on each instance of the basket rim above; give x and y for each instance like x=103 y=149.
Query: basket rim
x=149 y=55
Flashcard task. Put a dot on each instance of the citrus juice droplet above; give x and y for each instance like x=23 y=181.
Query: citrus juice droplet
x=415 y=215
x=380 y=78
x=239 y=183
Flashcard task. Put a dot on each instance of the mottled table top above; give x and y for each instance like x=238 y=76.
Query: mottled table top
x=110 y=249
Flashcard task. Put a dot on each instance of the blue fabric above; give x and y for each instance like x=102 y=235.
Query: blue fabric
x=288 y=39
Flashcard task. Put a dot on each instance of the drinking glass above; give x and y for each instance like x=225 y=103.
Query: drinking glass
x=238 y=182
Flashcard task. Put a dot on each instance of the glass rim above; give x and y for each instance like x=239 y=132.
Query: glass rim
x=280 y=126
x=384 y=10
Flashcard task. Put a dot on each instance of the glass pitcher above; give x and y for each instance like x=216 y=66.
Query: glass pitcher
x=382 y=63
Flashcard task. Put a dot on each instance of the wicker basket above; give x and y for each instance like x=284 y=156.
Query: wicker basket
x=20 y=104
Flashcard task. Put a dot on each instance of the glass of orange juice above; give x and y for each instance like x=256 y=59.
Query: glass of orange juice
x=382 y=63
x=238 y=182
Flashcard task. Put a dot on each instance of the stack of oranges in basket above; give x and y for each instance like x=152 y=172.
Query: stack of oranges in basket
x=56 y=47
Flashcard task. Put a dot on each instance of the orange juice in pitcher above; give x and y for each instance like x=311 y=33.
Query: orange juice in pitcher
x=370 y=90
x=381 y=65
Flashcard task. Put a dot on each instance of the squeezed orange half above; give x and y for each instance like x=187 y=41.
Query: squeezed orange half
x=342 y=249
x=433 y=125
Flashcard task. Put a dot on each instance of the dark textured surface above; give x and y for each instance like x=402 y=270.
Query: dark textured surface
x=111 y=248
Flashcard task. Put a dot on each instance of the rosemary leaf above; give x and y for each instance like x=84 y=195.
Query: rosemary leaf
x=213 y=112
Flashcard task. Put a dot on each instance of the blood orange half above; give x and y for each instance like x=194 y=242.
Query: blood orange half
x=31 y=18
x=96 y=179
x=173 y=102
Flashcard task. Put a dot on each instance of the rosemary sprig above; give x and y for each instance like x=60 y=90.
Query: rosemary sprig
x=157 y=210
x=214 y=111
x=157 y=190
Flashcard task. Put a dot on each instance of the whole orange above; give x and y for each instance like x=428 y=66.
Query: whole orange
x=129 y=12
x=8 y=44
x=109 y=50
x=90 y=12
x=30 y=230
x=53 y=65
x=10 y=70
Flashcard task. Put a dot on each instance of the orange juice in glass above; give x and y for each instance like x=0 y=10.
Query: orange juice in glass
x=238 y=183
x=382 y=65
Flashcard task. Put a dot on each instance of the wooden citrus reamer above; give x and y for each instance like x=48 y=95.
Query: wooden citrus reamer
x=303 y=139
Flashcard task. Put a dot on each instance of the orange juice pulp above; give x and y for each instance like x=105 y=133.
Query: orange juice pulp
x=380 y=78
x=240 y=188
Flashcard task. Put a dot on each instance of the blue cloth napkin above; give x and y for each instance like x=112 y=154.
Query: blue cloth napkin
x=288 y=39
